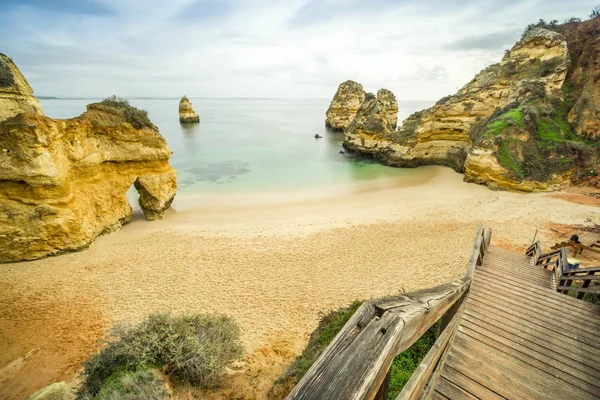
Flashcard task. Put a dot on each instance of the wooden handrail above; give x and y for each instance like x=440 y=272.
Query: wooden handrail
x=358 y=360
x=563 y=276
x=476 y=253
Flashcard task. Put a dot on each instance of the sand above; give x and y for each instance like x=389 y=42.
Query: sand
x=271 y=261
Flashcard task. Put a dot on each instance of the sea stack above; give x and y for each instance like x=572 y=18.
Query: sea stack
x=16 y=96
x=186 y=112
x=377 y=116
x=344 y=105
x=527 y=123
x=64 y=182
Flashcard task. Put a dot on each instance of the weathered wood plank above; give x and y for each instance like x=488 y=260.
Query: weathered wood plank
x=578 y=289
x=540 y=281
x=356 y=363
x=452 y=391
x=536 y=355
x=534 y=310
x=469 y=385
x=549 y=295
x=509 y=377
x=475 y=253
x=561 y=342
x=520 y=299
x=488 y=238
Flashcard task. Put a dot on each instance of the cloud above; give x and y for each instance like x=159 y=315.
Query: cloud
x=262 y=48
x=487 y=41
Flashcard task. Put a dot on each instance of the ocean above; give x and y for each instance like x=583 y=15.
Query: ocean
x=253 y=145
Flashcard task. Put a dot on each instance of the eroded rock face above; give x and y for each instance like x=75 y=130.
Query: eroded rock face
x=186 y=112
x=376 y=117
x=344 y=105
x=507 y=127
x=16 y=96
x=64 y=182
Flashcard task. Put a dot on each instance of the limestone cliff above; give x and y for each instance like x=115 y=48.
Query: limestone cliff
x=377 y=116
x=186 y=112
x=64 y=182
x=16 y=96
x=524 y=123
x=344 y=105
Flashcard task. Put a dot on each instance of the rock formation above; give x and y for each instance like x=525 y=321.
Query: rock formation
x=526 y=123
x=344 y=105
x=186 y=112
x=16 y=95
x=64 y=182
x=376 y=117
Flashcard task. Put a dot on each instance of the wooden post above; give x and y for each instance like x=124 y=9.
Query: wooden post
x=384 y=389
x=534 y=236
x=449 y=315
x=585 y=285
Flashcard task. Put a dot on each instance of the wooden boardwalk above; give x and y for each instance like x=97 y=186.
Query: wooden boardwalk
x=518 y=338
x=508 y=330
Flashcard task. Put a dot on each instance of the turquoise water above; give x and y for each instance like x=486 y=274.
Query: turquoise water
x=253 y=145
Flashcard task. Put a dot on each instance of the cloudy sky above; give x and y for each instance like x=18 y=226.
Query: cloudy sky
x=419 y=49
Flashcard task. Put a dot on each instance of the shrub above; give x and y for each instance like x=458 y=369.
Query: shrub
x=6 y=76
x=143 y=384
x=136 y=117
x=191 y=348
x=595 y=12
x=406 y=362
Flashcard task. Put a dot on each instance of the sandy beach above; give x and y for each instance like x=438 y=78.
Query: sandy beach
x=271 y=261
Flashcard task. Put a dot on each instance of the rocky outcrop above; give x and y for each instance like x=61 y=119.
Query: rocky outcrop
x=64 y=182
x=376 y=117
x=344 y=105
x=521 y=124
x=16 y=96
x=186 y=112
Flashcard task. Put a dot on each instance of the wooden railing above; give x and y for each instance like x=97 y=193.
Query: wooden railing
x=357 y=363
x=564 y=277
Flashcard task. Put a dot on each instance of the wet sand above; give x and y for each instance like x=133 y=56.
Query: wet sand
x=273 y=262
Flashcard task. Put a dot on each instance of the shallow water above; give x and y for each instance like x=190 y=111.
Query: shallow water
x=253 y=145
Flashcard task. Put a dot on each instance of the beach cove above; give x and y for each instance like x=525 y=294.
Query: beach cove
x=273 y=262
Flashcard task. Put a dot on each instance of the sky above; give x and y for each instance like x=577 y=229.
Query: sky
x=421 y=50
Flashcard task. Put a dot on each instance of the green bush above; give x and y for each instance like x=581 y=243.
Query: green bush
x=6 y=76
x=406 y=362
x=190 y=348
x=136 y=117
x=126 y=385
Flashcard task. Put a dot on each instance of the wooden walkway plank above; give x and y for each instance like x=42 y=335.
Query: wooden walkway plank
x=518 y=338
x=452 y=391
x=509 y=377
x=549 y=294
x=586 y=328
x=469 y=385
x=535 y=355
x=551 y=336
x=551 y=301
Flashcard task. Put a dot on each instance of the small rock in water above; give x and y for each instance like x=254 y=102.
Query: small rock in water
x=342 y=152
x=317 y=136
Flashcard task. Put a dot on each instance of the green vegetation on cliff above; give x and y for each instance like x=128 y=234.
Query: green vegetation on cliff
x=6 y=76
x=189 y=348
x=330 y=324
x=534 y=139
x=136 y=117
